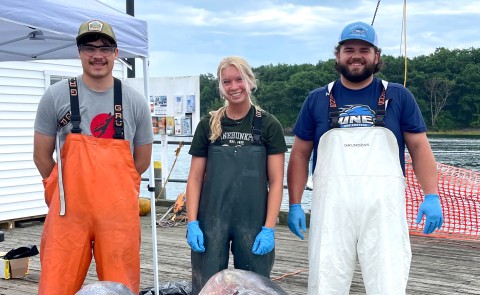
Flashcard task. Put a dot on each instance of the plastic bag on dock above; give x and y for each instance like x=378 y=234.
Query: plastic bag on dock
x=21 y=252
x=170 y=288
x=105 y=288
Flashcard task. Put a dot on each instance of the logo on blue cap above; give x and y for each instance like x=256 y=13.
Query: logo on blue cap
x=359 y=31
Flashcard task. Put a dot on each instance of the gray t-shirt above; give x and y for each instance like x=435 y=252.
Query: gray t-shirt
x=96 y=111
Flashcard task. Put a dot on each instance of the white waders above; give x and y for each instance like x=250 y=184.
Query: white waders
x=358 y=209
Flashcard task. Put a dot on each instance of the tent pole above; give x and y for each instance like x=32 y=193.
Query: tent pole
x=130 y=10
x=153 y=212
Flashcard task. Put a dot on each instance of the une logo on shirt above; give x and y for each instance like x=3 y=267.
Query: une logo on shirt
x=357 y=116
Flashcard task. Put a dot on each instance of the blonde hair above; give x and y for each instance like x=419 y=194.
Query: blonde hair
x=247 y=76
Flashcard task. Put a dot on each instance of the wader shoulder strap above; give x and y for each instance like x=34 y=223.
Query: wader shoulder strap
x=257 y=128
x=118 y=109
x=330 y=87
x=333 y=112
x=117 y=101
x=74 y=105
x=381 y=106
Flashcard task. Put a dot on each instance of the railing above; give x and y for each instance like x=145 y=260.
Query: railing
x=459 y=191
x=178 y=180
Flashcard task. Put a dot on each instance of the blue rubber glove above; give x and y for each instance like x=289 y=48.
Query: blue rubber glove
x=432 y=209
x=264 y=242
x=296 y=220
x=195 y=237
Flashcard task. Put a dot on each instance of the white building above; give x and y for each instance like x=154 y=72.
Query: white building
x=21 y=86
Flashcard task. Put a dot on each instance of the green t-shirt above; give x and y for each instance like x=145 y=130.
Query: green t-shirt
x=239 y=133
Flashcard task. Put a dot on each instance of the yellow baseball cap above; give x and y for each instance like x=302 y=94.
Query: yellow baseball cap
x=96 y=27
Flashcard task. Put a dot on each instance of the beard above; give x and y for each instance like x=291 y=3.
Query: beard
x=357 y=76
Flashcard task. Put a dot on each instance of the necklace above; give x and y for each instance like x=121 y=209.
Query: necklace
x=239 y=121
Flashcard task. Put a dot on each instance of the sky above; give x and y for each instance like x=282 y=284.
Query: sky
x=190 y=37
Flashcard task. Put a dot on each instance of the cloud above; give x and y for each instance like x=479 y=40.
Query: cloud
x=192 y=36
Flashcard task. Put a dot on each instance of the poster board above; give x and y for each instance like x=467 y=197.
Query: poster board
x=172 y=99
x=175 y=109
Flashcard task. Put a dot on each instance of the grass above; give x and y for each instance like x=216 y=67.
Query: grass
x=463 y=132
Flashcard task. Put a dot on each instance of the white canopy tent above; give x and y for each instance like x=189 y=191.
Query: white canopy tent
x=46 y=30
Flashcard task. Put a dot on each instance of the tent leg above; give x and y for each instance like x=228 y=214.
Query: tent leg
x=153 y=212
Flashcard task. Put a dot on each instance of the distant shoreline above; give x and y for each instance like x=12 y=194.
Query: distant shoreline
x=462 y=132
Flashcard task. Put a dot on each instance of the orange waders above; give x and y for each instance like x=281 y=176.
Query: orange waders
x=101 y=197
x=101 y=188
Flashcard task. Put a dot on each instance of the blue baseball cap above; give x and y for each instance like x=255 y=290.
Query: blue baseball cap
x=359 y=31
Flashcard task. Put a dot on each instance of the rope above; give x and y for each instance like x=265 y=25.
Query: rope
x=173 y=220
x=405 y=39
x=404 y=28
x=376 y=9
x=289 y=274
x=176 y=214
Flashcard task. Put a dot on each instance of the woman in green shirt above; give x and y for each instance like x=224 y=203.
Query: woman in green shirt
x=235 y=184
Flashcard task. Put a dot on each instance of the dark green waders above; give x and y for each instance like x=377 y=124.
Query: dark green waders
x=232 y=211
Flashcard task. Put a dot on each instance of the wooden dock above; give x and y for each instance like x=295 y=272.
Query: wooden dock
x=439 y=266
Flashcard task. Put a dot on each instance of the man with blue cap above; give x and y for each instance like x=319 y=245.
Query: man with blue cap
x=357 y=128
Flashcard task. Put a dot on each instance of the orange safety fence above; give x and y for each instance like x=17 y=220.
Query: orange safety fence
x=459 y=191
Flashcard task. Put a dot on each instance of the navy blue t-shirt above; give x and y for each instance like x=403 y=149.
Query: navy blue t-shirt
x=357 y=109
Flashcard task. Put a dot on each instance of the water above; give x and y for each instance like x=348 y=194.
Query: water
x=463 y=152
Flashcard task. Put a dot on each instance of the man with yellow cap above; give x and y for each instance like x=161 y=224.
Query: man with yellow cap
x=101 y=131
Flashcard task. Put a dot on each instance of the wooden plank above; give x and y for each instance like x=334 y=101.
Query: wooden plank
x=439 y=266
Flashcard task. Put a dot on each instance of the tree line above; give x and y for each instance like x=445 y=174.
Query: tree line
x=446 y=85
